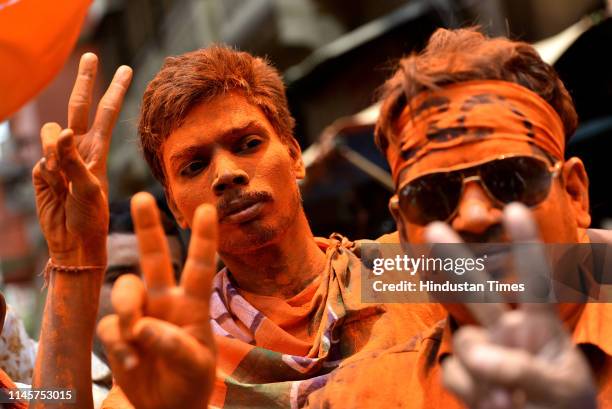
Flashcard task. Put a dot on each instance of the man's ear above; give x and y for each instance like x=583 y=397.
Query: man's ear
x=397 y=215
x=577 y=187
x=174 y=209
x=296 y=154
x=394 y=209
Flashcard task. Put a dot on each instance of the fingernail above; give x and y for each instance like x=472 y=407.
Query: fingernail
x=485 y=358
x=89 y=56
x=124 y=71
x=126 y=358
x=51 y=162
x=130 y=361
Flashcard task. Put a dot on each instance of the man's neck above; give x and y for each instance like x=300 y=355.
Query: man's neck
x=280 y=269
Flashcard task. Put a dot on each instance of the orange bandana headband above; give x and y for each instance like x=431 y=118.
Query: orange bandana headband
x=469 y=112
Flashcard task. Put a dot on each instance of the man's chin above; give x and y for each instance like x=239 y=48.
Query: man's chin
x=245 y=237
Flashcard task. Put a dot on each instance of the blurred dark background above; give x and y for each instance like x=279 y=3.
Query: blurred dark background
x=333 y=55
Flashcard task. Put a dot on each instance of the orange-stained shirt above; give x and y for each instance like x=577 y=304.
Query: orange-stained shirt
x=593 y=333
x=409 y=375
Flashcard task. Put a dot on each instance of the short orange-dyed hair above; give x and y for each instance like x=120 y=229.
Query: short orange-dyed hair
x=453 y=56
x=199 y=76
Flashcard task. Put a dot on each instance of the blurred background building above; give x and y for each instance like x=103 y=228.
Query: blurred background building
x=333 y=55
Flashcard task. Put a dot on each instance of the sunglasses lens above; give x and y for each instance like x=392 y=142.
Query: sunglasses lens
x=520 y=179
x=430 y=197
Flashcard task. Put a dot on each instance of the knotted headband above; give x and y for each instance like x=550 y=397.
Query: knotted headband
x=473 y=111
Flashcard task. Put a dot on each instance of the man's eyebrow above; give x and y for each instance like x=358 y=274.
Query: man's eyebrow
x=238 y=131
x=228 y=136
x=185 y=153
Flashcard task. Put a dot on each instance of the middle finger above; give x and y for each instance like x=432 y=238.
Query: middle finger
x=154 y=252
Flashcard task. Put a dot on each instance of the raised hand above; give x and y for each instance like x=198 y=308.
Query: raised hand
x=71 y=201
x=522 y=358
x=160 y=343
x=70 y=180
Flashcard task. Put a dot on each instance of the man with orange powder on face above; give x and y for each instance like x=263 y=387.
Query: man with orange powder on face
x=285 y=313
x=475 y=132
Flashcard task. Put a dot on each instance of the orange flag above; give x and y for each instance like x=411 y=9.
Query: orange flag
x=36 y=38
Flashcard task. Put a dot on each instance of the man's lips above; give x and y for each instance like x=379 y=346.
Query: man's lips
x=245 y=214
x=242 y=209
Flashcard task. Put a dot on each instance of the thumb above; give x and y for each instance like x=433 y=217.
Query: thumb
x=83 y=182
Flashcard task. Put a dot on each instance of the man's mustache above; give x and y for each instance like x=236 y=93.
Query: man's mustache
x=234 y=202
x=494 y=234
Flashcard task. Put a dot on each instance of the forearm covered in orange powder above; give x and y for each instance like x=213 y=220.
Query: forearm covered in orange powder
x=64 y=354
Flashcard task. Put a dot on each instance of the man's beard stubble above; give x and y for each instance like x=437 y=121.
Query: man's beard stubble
x=257 y=233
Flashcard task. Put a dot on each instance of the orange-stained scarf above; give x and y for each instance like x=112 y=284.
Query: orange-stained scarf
x=468 y=112
x=273 y=353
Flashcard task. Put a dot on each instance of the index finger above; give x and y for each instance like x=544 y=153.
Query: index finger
x=487 y=314
x=110 y=104
x=200 y=267
x=529 y=259
x=80 y=98
x=154 y=252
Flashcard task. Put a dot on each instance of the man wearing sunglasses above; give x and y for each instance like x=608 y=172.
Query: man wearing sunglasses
x=470 y=126
x=474 y=130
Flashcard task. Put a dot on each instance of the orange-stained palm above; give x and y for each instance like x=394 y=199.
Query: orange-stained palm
x=70 y=180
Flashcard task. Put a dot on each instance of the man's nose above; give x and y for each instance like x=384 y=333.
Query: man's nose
x=228 y=176
x=476 y=211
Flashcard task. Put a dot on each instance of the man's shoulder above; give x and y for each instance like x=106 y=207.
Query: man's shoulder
x=389 y=238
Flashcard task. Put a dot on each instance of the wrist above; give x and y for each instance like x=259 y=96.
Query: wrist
x=93 y=272
x=91 y=256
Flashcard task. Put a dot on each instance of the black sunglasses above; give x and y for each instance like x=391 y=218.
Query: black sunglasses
x=436 y=195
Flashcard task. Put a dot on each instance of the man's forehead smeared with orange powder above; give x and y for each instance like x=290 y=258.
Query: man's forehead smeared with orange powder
x=459 y=56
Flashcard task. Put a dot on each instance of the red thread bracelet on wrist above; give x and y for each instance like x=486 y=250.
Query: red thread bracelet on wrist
x=51 y=267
